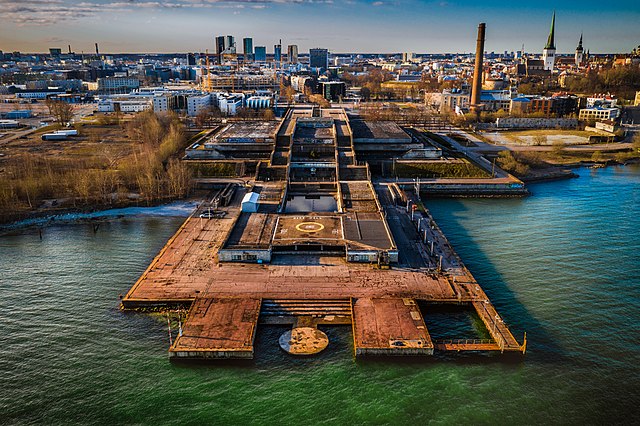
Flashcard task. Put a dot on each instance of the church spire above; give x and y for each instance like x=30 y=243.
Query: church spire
x=580 y=43
x=551 y=41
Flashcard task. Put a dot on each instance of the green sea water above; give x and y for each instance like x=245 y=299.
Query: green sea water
x=562 y=265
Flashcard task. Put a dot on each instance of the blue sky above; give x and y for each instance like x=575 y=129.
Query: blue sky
x=341 y=26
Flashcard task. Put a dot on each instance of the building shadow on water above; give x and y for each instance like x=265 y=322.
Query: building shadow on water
x=541 y=346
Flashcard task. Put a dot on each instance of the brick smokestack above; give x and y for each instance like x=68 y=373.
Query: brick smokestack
x=477 y=73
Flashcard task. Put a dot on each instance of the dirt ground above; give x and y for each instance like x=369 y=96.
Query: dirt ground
x=538 y=137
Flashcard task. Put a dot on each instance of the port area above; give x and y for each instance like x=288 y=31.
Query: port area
x=229 y=299
x=312 y=242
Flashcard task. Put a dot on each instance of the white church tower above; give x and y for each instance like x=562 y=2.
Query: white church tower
x=549 y=52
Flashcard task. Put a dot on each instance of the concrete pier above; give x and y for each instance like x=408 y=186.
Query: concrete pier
x=218 y=328
x=368 y=260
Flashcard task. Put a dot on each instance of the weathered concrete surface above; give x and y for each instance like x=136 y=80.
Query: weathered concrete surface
x=218 y=328
x=389 y=327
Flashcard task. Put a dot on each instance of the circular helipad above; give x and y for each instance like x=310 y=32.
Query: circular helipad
x=309 y=227
x=303 y=341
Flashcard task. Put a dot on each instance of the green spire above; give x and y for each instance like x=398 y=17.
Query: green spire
x=551 y=41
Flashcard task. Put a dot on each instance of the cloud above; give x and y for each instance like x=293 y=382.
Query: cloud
x=48 y=12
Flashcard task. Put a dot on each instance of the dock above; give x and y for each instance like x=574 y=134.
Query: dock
x=218 y=328
x=389 y=327
x=370 y=261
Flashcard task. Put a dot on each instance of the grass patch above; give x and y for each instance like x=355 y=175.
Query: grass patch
x=212 y=169
x=458 y=169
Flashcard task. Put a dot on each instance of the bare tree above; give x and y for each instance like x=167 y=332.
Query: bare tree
x=61 y=111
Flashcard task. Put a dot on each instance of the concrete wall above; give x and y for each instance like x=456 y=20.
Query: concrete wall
x=535 y=123
x=244 y=256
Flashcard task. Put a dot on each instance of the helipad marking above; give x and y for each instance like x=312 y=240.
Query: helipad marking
x=309 y=227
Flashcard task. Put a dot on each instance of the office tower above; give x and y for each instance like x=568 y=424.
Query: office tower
x=247 y=44
x=319 y=58
x=225 y=45
x=292 y=53
x=191 y=59
x=277 y=52
x=260 y=54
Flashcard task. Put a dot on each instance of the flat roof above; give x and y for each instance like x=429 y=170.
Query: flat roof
x=253 y=131
x=313 y=133
x=381 y=130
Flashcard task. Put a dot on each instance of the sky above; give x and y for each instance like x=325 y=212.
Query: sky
x=353 y=26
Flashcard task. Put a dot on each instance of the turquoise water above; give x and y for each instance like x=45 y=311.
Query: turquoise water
x=562 y=265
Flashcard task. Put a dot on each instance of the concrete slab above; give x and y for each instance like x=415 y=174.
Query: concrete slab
x=218 y=328
x=389 y=327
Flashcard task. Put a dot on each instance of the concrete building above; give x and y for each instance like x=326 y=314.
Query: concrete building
x=129 y=105
x=198 y=103
x=599 y=113
x=495 y=100
x=408 y=57
x=238 y=141
x=164 y=102
x=292 y=53
x=230 y=103
x=258 y=102
x=333 y=91
x=454 y=98
x=319 y=58
x=549 y=51
x=299 y=82
x=117 y=85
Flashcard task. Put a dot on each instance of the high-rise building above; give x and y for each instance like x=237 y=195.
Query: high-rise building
x=292 y=53
x=191 y=59
x=247 y=44
x=319 y=58
x=225 y=45
x=260 y=54
x=277 y=52
x=408 y=57
x=549 y=52
x=579 y=53
x=220 y=41
x=54 y=51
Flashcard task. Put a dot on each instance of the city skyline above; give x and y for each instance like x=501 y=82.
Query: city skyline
x=386 y=27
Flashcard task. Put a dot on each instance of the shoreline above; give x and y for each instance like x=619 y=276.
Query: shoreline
x=46 y=218
x=63 y=216
x=565 y=171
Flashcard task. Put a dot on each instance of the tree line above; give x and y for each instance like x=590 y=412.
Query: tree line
x=150 y=172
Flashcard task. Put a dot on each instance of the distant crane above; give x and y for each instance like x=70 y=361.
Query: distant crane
x=207 y=81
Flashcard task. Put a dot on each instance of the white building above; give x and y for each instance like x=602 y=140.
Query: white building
x=230 y=103
x=198 y=103
x=258 y=102
x=124 y=105
x=604 y=101
x=598 y=113
x=250 y=202
x=164 y=102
